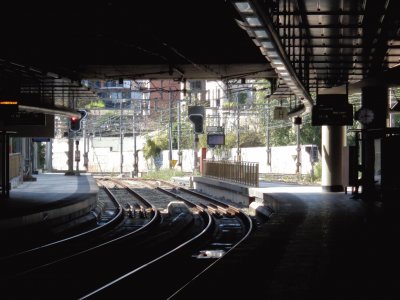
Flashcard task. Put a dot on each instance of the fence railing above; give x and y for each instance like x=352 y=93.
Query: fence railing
x=15 y=165
x=242 y=172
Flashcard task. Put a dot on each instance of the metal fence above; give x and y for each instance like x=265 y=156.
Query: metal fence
x=242 y=172
x=15 y=165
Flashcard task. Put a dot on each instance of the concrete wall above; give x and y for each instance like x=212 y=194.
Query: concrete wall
x=104 y=156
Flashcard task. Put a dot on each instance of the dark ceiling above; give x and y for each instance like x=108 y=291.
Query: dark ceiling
x=325 y=43
x=132 y=39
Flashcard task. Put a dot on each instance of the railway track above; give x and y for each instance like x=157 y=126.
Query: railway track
x=114 y=224
x=170 y=253
x=173 y=270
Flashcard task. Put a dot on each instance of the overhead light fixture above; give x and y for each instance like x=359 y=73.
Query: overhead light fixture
x=281 y=68
x=244 y=7
x=261 y=33
x=246 y=28
x=273 y=54
x=276 y=61
x=258 y=28
x=253 y=21
x=267 y=44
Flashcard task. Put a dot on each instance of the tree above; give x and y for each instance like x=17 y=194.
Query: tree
x=252 y=139
x=161 y=140
x=310 y=134
x=150 y=149
x=282 y=136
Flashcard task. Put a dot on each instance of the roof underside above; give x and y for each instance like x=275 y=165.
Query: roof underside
x=327 y=43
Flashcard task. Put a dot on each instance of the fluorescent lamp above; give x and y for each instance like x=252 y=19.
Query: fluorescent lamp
x=261 y=33
x=276 y=61
x=253 y=21
x=273 y=54
x=267 y=44
x=244 y=7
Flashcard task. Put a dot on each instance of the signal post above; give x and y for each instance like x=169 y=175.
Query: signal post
x=196 y=116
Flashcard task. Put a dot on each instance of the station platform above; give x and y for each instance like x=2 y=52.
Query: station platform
x=314 y=245
x=52 y=199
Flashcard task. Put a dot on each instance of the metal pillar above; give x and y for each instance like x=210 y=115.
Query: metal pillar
x=374 y=98
x=35 y=157
x=195 y=153
x=179 y=136
x=121 y=169
x=135 y=156
x=77 y=157
x=298 y=149
x=170 y=130
x=70 y=156
x=5 y=165
x=268 y=135
x=85 y=148
x=238 y=152
x=49 y=156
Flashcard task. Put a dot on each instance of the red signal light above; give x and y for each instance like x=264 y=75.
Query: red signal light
x=74 y=124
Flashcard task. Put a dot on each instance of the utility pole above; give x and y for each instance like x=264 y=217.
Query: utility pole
x=121 y=140
x=70 y=154
x=170 y=130
x=195 y=153
x=238 y=130
x=85 y=148
x=298 y=149
x=49 y=154
x=77 y=157
x=179 y=136
x=267 y=133
x=135 y=158
x=71 y=137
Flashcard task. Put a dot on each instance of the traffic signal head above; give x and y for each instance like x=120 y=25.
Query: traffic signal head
x=196 y=116
x=197 y=121
x=75 y=124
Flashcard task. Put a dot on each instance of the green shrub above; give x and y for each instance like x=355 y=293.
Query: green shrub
x=163 y=174
x=317 y=171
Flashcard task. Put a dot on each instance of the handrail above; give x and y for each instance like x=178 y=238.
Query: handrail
x=241 y=172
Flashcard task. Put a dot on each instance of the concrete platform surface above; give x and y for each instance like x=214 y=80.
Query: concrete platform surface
x=316 y=245
x=52 y=197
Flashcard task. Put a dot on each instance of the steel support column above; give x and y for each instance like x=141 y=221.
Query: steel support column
x=374 y=98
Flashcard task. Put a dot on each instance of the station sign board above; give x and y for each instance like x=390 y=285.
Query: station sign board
x=215 y=139
x=338 y=115
x=25 y=118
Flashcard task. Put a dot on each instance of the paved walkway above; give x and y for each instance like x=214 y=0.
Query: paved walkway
x=52 y=197
x=317 y=245
x=49 y=189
